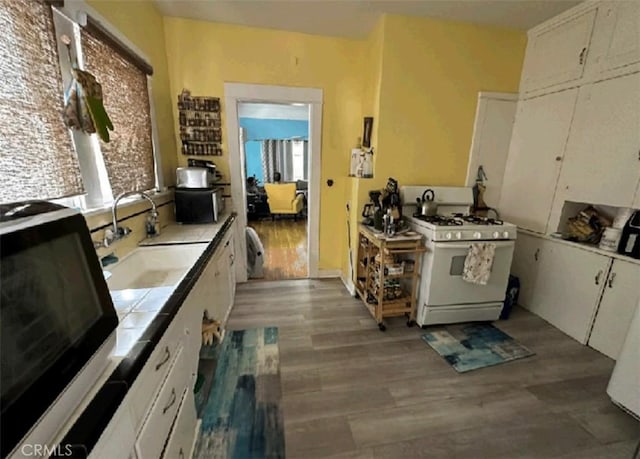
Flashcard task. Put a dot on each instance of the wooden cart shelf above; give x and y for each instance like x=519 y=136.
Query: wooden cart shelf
x=372 y=282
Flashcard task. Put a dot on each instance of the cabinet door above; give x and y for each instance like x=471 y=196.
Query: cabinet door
x=181 y=439
x=490 y=143
x=568 y=287
x=618 y=303
x=558 y=53
x=537 y=144
x=525 y=266
x=232 y=267
x=616 y=36
x=601 y=164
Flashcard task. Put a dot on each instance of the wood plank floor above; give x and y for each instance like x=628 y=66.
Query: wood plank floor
x=351 y=391
x=285 y=246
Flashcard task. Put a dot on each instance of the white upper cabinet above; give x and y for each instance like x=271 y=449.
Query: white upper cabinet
x=616 y=36
x=535 y=155
x=602 y=163
x=557 y=53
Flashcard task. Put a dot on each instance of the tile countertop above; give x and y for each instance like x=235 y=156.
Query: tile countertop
x=144 y=316
x=177 y=233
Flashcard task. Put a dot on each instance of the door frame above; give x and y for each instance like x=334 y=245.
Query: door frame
x=235 y=93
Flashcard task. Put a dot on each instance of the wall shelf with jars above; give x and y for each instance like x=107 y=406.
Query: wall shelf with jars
x=200 y=125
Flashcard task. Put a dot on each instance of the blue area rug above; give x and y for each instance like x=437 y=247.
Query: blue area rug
x=240 y=405
x=468 y=347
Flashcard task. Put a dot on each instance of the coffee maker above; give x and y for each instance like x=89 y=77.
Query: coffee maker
x=371 y=208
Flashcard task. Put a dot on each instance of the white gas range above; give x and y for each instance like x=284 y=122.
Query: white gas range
x=444 y=297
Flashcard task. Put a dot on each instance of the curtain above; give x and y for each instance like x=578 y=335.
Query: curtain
x=37 y=157
x=128 y=156
x=306 y=160
x=277 y=156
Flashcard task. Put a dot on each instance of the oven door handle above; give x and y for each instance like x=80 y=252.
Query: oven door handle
x=467 y=244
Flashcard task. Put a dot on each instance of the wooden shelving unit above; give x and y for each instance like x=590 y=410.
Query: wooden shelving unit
x=385 y=294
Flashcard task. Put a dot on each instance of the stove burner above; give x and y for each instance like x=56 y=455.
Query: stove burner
x=476 y=220
x=439 y=220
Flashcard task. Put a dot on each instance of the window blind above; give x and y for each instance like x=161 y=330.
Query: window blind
x=128 y=156
x=37 y=157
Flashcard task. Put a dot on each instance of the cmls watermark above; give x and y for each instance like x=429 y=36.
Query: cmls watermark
x=39 y=450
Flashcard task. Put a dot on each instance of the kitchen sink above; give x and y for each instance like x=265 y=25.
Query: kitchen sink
x=152 y=267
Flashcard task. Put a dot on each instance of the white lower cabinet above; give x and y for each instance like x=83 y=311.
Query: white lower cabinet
x=620 y=297
x=560 y=283
x=181 y=440
x=590 y=296
x=158 y=423
x=568 y=286
x=157 y=418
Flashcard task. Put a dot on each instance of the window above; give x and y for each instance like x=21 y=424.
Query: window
x=39 y=157
x=299 y=160
x=128 y=156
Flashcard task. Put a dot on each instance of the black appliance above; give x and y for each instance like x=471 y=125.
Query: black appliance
x=630 y=240
x=198 y=205
x=56 y=310
x=197 y=200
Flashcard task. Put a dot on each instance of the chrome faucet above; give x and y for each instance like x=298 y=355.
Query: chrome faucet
x=116 y=232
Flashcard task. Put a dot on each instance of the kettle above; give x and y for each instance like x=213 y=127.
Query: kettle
x=427 y=203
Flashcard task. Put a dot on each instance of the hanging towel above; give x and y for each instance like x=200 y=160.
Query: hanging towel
x=477 y=265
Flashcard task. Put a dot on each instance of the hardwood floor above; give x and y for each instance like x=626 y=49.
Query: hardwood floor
x=351 y=391
x=285 y=246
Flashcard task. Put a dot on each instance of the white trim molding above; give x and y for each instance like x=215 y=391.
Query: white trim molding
x=235 y=93
x=349 y=285
x=328 y=274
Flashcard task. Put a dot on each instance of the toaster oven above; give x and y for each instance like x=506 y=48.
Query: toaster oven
x=195 y=177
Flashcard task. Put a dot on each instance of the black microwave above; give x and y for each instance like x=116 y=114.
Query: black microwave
x=55 y=310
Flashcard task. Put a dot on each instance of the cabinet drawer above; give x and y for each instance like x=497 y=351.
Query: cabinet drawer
x=154 y=372
x=184 y=429
x=157 y=425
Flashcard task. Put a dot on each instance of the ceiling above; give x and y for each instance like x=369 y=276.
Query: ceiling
x=273 y=111
x=356 y=18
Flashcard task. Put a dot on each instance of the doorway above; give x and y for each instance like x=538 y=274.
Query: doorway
x=237 y=94
x=274 y=141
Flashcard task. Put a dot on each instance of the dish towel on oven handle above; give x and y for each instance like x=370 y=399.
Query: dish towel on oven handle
x=477 y=265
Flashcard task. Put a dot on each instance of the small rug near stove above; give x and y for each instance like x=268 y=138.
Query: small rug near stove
x=468 y=347
x=241 y=414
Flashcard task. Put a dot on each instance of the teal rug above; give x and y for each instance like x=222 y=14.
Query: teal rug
x=240 y=405
x=468 y=347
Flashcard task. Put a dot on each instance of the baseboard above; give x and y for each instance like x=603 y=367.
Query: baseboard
x=349 y=285
x=329 y=273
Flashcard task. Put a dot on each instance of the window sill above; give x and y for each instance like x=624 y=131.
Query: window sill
x=99 y=217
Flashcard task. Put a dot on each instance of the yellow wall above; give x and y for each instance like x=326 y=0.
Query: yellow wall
x=356 y=191
x=142 y=23
x=423 y=96
x=203 y=56
x=432 y=73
